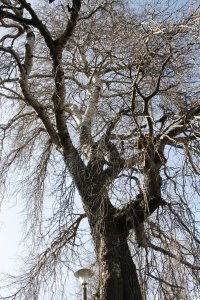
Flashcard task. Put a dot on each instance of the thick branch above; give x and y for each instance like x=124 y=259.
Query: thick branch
x=36 y=22
x=25 y=70
x=62 y=40
x=136 y=212
x=91 y=110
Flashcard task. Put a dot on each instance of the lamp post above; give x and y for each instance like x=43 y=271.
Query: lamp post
x=83 y=275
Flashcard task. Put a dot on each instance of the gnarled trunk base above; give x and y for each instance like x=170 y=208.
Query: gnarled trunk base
x=118 y=275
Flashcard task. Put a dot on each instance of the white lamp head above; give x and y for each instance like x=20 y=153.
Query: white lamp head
x=83 y=275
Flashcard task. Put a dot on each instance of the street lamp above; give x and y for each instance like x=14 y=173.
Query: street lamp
x=83 y=275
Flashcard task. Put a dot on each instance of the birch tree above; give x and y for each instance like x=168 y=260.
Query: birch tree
x=100 y=102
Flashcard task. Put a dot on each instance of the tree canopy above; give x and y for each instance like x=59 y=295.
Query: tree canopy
x=100 y=116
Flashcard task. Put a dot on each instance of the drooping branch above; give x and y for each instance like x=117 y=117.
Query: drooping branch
x=160 y=279
x=175 y=256
x=46 y=262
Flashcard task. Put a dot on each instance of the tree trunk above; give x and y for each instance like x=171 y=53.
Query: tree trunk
x=118 y=277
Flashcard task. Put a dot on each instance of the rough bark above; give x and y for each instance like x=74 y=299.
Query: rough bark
x=110 y=226
x=117 y=272
x=118 y=276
